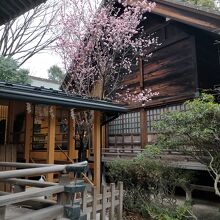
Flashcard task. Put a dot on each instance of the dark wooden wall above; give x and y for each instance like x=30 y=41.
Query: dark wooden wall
x=172 y=69
x=186 y=61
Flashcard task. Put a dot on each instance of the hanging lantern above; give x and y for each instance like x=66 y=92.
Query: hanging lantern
x=51 y=111
x=28 y=107
x=72 y=113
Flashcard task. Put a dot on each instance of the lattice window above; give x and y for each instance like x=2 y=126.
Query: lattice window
x=155 y=115
x=125 y=124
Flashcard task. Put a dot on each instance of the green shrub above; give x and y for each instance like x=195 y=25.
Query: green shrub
x=150 y=186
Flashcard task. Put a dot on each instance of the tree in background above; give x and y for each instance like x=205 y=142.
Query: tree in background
x=23 y=37
x=10 y=71
x=56 y=73
x=207 y=3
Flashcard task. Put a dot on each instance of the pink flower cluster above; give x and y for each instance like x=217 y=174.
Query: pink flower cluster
x=136 y=97
x=101 y=43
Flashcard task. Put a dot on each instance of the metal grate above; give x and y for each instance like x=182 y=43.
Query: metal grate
x=125 y=124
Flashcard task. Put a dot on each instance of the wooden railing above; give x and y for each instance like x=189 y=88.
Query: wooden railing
x=68 y=199
x=114 y=153
x=175 y=158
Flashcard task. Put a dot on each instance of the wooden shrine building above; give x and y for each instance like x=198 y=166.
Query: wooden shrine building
x=186 y=62
x=36 y=125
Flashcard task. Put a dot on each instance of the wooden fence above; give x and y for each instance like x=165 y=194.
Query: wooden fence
x=69 y=198
x=108 y=204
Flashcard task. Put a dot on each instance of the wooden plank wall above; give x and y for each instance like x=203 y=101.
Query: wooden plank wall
x=171 y=71
x=8 y=153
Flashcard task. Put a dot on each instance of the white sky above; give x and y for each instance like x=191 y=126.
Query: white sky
x=41 y=62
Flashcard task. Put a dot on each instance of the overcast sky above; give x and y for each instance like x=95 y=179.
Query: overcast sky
x=41 y=62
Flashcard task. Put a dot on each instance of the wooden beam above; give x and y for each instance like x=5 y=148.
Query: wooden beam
x=28 y=130
x=26 y=182
x=32 y=171
x=103 y=136
x=10 y=122
x=143 y=124
x=141 y=69
x=72 y=153
x=97 y=149
x=30 y=194
x=188 y=15
x=51 y=141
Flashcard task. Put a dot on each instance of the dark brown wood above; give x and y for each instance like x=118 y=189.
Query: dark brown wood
x=143 y=126
x=141 y=68
x=188 y=15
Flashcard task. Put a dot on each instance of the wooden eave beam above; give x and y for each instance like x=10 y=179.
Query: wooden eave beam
x=191 y=16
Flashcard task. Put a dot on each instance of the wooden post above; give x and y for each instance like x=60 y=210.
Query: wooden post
x=112 y=208
x=143 y=126
x=103 y=136
x=2 y=212
x=10 y=122
x=97 y=149
x=84 y=201
x=94 y=203
x=51 y=141
x=188 y=195
x=28 y=130
x=104 y=201
x=141 y=69
x=71 y=142
x=63 y=198
x=120 y=207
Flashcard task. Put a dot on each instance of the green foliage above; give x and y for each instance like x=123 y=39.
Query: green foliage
x=183 y=212
x=10 y=72
x=206 y=3
x=195 y=132
x=150 y=185
x=146 y=172
x=55 y=73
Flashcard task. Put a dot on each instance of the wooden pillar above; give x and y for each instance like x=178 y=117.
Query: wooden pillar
x=51 y=140
x=28 y=132
x=97 y=149
x=143 y=116
x=10 y=122
x=71 y=142
x=143 y=124
x=141 y=70
x=103 y=136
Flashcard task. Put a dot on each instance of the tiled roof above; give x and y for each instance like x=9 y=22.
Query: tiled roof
x=10 y=9
x=42 y=95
